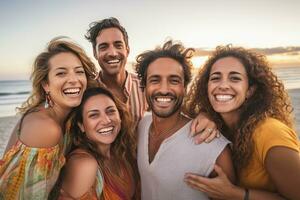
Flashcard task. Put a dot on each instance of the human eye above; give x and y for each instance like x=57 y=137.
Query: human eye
x=93 y=115
x=111 y=111
x=175 y=81
x=60 y=73
x=80 y=71
x=235 y=78
x=214 y=78
x=102 y=47
x=153 y=80
x=119 y=45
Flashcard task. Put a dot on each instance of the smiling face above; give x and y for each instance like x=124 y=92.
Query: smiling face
x=228 y=87
x=165 y=86
x=66 y=80
x=101 y=120
x=111 y=51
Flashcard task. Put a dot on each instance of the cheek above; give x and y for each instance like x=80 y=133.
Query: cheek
x=83 y=80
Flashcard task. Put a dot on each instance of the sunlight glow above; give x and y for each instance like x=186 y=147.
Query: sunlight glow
x=199 y=61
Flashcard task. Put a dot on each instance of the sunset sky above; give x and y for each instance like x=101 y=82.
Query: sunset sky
x=271 y=26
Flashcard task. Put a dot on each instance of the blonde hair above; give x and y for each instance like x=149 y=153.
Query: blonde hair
x=40 y=70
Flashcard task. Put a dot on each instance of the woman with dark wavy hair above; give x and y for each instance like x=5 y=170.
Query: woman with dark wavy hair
x=237 y=88
x=101 y=164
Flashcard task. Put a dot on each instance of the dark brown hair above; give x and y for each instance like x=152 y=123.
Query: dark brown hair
x=170 y=49
x=268 y=100
x=98 y=26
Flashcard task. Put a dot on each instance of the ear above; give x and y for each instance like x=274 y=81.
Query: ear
x=45 y=86
x=250 y=91
x=95 y=53
x=128 y=50
x=80 y=125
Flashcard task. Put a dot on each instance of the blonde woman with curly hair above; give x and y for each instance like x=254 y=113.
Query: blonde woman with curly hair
x=237 y=88
x=103 y=148
x=34 y=157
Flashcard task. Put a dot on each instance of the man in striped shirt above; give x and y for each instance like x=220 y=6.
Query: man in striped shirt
x=110 y=48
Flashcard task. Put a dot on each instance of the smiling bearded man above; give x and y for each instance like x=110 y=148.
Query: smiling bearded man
x=165 y=150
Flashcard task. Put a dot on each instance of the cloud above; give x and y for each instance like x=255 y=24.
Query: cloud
x=278 y=50
x=291 y=51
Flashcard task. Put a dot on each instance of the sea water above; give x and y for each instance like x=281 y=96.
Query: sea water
x=14 y=93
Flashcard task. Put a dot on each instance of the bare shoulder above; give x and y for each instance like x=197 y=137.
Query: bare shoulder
x=39 y=130
x=80 y=174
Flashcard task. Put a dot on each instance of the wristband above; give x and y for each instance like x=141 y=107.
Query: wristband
x=246 y=196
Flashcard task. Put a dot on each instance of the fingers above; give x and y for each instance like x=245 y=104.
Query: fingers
x=207 y=135
x=193 y=127
x=199 y=123
x=195 y=181
x=199 y=138
x=200 y=183
x=219 y=170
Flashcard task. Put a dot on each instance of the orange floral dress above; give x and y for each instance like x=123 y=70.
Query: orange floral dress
x=30 y=173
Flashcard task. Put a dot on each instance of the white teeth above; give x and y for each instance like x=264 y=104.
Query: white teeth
x=72 y=91
x=113 y=61
x=160 y=99
x=224 y=97
x=106 y=131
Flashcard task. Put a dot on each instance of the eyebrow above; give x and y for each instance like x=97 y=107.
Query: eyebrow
x=94 y=110
x=219 y=73
x=64 y=68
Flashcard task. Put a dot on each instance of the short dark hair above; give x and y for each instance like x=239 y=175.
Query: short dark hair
x=170 y=49
x=97 y=26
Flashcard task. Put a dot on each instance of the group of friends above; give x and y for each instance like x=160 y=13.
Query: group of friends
x=151 y=134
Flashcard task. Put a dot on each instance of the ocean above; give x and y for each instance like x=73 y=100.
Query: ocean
x=14 y=93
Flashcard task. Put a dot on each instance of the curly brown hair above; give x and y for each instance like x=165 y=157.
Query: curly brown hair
x=124 y=146
x=268 y=100
x=170 y=49
x=41 y=68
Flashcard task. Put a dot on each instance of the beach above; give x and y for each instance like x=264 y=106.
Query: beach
x=6 y=126
x=7 y=123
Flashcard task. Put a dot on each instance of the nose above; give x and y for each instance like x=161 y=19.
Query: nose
x=223 y=85
x=105 y=119
x=73 y=77
x=112 y=51
x=164 y=87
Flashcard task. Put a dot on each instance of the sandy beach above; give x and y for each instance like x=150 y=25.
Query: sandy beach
x=6 y=126
x=7 y=123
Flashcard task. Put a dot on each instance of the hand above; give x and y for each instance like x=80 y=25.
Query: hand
x=219 y=187
x=203 y=129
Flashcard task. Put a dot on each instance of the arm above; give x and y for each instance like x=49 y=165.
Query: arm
x=13 y=137
x=80 y=176
x=203 y=129
x=283 y=166
x=222 y=187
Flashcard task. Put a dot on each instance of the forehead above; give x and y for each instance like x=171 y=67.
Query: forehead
x=165 y=67
x=98 y=102
x=109 y=35
x=64 y=60
x=228 y=64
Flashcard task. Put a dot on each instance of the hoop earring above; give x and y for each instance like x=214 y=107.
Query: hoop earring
x=48 y=101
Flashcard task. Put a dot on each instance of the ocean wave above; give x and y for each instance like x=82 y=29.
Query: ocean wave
x=13 y=93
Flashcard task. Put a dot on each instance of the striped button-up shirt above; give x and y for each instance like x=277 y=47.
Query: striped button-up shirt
x=135 y=98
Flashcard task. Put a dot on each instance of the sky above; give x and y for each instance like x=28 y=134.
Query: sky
x=26 y=26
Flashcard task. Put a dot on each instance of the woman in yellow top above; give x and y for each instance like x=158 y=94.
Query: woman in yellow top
x=239 y=91
x=103 y=148
x=31 y=165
